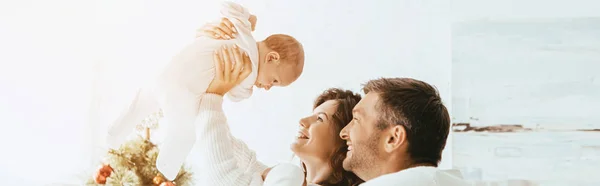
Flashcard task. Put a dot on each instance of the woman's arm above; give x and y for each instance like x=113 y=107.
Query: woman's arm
x=221 y=151
x=222 y=167
x=229 y=161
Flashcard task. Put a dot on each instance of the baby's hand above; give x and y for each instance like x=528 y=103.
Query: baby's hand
x=253 y=21
x=218 y=30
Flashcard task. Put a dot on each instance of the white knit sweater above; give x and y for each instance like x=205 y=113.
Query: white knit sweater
x=228 y=161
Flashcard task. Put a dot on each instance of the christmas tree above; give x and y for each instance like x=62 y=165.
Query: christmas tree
x=134 y=163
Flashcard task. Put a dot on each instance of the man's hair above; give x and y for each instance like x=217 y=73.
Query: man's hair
x=290 y=50
x=346 y=100
x=416 y=106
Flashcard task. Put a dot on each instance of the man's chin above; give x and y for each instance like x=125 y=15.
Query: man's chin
x=346 y=164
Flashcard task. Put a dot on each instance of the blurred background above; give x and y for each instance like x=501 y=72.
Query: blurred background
x=525 y=82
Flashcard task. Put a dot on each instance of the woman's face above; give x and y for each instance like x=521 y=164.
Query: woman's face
x=317 y=138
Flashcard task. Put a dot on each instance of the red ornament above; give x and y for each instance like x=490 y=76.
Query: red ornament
x=103 y=172
x=99 y=178
x=106 y=170
x=167 y=183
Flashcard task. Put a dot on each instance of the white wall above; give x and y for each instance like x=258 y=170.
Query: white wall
x=540 y=73
x=468 y=10
x=45 y=68
x=528 y=62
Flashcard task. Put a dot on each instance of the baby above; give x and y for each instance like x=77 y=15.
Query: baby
x=276 y=61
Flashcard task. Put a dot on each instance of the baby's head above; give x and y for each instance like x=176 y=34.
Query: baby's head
x=281 y=60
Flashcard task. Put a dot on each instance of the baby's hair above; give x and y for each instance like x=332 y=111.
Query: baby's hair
x=289 y=49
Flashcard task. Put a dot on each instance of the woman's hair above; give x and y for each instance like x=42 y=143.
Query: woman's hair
x=346 y=100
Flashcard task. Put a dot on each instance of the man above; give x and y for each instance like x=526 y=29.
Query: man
x=397 y=135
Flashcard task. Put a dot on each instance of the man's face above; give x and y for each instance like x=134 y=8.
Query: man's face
x=362 y=136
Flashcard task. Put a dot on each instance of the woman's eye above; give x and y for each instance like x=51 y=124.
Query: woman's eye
x=319 y=119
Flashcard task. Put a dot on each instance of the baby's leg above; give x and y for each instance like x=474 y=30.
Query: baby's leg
x=180 y=108
x=141 y=107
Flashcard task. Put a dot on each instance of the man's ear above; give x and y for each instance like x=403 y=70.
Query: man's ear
x=273 y=57
x=395 y=137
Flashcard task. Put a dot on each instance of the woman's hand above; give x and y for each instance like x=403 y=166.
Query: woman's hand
x=232 y=66
x=223 y=30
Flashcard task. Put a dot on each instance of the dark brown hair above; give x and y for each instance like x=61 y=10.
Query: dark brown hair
x=346 y=100
x=416 y=106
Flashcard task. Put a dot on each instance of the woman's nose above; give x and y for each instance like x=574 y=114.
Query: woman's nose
x=304 y=123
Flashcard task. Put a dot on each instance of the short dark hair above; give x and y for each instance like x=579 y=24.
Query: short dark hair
x=416 y=106
x=346 y=100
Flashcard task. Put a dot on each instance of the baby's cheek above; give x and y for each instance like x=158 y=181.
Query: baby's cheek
x=258 y=77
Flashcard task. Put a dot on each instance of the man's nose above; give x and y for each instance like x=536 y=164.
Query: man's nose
x=344 y=133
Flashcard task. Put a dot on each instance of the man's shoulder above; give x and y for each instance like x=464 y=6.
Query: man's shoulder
x=414 y=177
x=419 y=176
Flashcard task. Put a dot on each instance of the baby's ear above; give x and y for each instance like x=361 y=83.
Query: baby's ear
x=274 y=56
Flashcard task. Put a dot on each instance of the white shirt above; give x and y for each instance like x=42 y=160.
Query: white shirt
x=418 y=176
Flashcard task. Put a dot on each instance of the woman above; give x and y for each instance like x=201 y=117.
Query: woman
x=230 y=162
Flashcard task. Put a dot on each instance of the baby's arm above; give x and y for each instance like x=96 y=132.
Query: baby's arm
x=225 y=29
x=239 y=16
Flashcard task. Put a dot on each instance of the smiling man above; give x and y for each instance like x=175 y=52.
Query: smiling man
x=397 y=135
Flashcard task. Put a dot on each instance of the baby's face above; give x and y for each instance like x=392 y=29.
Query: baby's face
x=273 y=74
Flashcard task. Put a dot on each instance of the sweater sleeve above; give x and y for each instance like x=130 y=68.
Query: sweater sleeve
x=246 y=158
x=224 y=165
